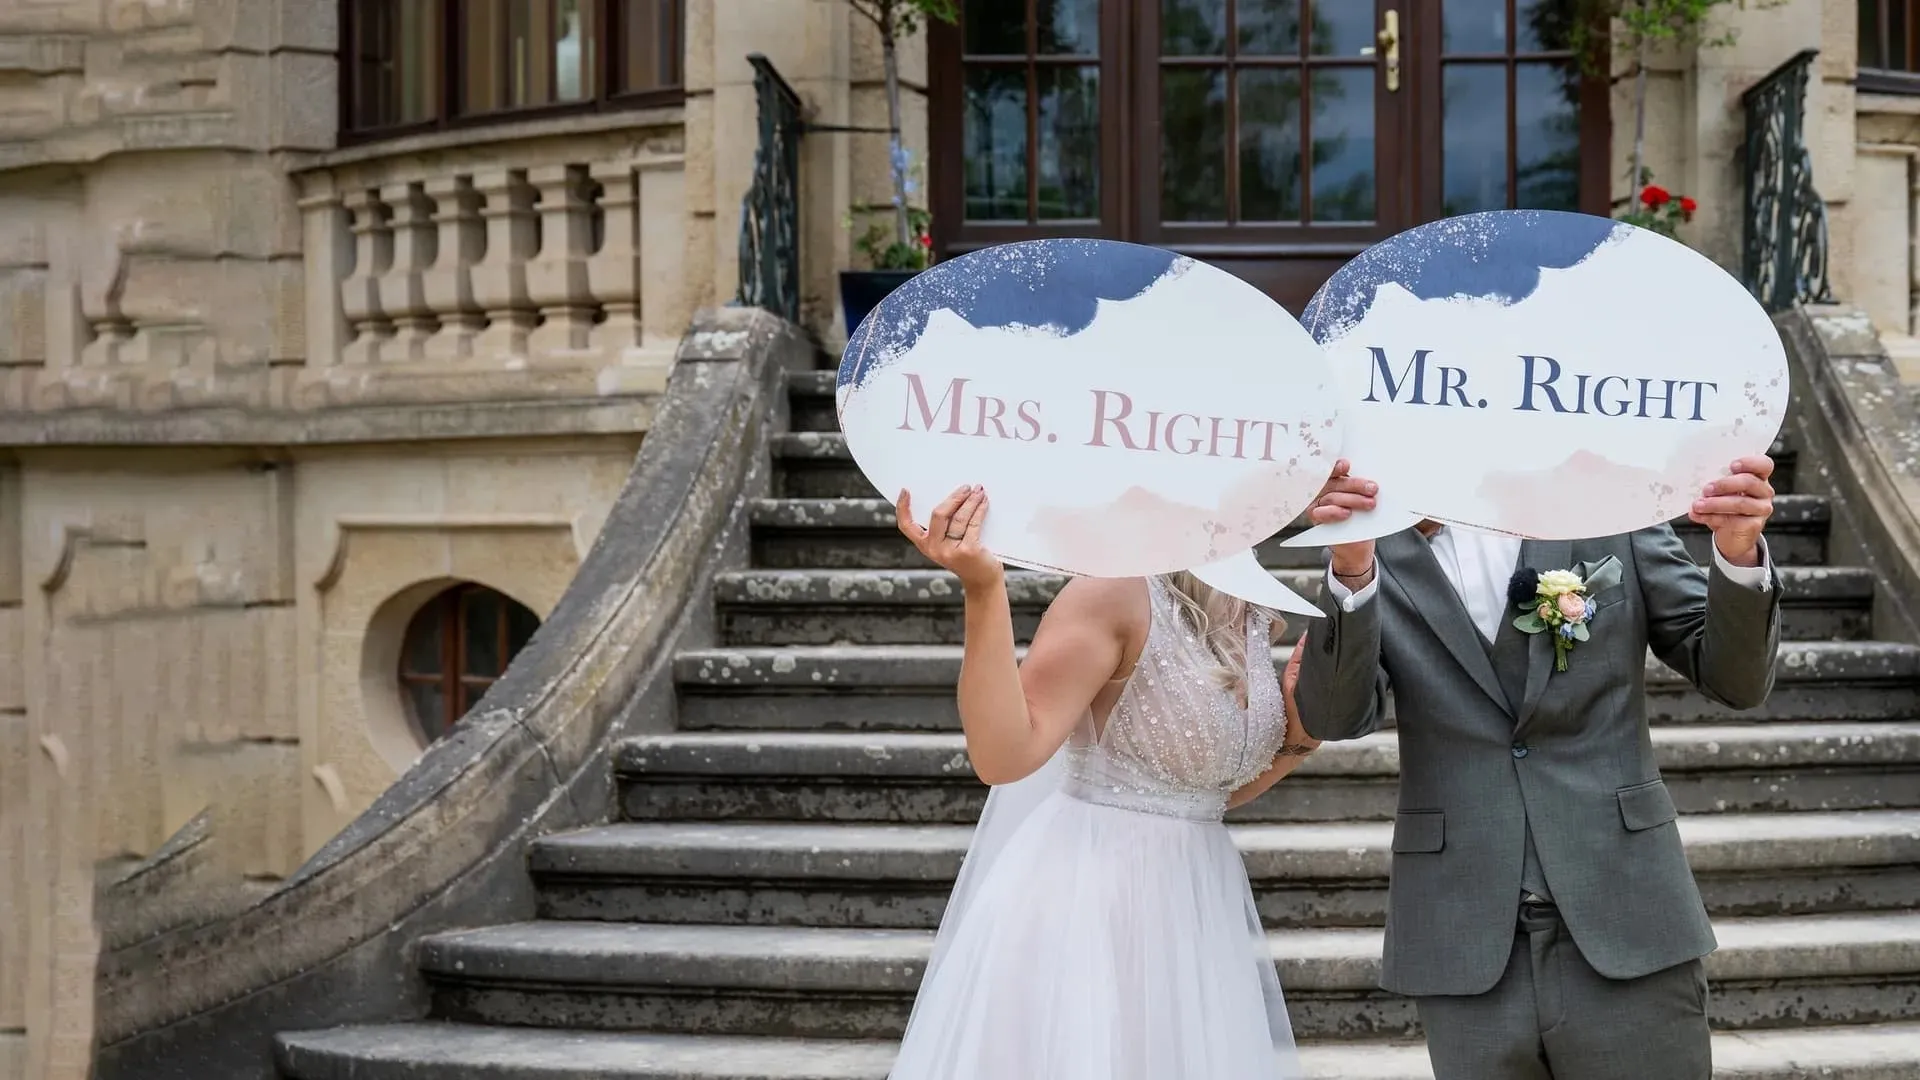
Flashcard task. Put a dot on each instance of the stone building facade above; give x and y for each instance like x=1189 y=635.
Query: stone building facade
x=322 y=355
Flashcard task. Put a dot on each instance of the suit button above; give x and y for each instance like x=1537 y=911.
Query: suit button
x=1520 y=750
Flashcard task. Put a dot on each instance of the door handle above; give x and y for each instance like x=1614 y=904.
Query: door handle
x=1389 y=39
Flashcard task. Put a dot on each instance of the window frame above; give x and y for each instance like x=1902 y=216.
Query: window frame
x=608 y=56
x=448 y=608
x=1889 y=80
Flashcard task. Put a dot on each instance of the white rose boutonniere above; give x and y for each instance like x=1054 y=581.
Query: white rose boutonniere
x=1559 y=602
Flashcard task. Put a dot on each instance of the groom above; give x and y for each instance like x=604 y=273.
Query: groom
x=1541 y=911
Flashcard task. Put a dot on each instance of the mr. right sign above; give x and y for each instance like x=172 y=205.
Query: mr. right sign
x=1543 y=374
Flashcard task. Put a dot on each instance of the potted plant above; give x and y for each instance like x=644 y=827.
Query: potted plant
x=1659 y=209
x=891 y=262
x=1636 y=28
x=896 y=251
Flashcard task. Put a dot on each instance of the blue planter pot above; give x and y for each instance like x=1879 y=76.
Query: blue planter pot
x=862 y=290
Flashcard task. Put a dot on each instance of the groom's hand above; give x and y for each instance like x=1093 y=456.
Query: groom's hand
x=1736 y=507
x=1342 y=497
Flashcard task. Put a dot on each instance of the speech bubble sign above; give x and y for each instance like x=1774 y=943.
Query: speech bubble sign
x=1543 y=374
x=1129 y=411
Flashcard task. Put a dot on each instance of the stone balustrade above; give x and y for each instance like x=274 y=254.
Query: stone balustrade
x=539 y=267
x=512 y=264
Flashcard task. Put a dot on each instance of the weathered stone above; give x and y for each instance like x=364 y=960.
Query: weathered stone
x=439 y=1051
x=859 y=983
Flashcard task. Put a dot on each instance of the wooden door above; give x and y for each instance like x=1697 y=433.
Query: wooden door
x=1273 y=138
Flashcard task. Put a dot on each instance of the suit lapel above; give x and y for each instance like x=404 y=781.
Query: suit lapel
x=1540 y=555
x=1409 y=559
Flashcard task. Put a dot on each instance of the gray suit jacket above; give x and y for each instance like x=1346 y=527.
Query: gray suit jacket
x=1573 y=757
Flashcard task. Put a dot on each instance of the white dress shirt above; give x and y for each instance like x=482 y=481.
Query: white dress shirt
x=1479 y=565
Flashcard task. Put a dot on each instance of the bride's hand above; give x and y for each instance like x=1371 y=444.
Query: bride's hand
x=952 y=538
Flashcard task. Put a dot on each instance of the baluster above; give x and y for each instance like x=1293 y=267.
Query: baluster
x=402 y=293
x=360 y=293
x=110 y=330
x=449 y=285
x=557 y=276
x=500 y=280
x=111 y=337
x=329 y=258
x=613 y=272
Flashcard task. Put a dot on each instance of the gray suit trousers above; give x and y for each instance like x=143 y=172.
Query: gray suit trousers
x=1552 y=1017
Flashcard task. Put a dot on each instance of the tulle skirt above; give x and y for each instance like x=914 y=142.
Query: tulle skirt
x=1101 y=944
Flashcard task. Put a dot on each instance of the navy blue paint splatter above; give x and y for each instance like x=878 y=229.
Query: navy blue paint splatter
x=1497 y=255
x=1055 y=284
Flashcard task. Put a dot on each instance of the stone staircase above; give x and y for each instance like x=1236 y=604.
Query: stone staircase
x=764 y=900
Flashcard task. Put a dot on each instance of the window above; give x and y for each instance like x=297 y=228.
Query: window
x=1510 y=106
x=413 y=65
x=459 y=644
x=1890 y=45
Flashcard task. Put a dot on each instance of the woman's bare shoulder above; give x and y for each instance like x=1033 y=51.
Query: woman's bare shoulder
x=1124 y=598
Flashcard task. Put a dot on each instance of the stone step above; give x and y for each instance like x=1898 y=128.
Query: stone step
x=810 y=400
x=859 y=983
x=910 y=687
x=850 y=533
x=812 y=461
x=923 y=607
x=925 y=778
x=443 y=1051
x=1304 y=875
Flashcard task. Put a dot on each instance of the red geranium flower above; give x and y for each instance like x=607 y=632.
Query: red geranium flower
x=1687 y=207
x=926 y=241
x=1655 y=196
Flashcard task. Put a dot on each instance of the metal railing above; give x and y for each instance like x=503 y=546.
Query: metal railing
x=770 y=212
x=1784 y=261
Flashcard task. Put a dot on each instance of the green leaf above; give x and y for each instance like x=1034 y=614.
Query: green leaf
x=1530 y=623
x=1580 y=632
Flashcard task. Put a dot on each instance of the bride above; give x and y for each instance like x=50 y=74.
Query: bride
x=1102 y=927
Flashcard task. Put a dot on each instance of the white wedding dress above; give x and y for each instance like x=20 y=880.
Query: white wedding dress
x=1102 y=927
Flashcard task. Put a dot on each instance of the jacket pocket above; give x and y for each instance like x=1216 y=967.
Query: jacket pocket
x=1644 y=806
x=1419 y=831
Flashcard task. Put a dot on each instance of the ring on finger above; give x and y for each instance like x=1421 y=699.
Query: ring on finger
x=956 y=536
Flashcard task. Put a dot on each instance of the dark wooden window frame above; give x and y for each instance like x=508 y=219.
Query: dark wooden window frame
x=946 y=91
x=1880 y=77
x=459 y=690
x=1129 y=48
x=603 y=96
x=1279 y=239
x=1596 y=111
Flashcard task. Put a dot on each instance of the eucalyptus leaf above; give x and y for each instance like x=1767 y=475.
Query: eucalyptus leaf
x=1530 y=623
x=1580 y=632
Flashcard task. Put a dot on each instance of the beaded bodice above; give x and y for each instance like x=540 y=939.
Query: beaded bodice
x=1178 y=742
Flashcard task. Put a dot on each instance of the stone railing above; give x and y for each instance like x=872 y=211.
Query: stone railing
x=1860 y=425
x=445 y=846
x=511 y=265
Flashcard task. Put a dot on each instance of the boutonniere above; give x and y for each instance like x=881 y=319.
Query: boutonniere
x=1560 y=602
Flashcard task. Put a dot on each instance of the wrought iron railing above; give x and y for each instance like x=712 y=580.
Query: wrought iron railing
x=770 y=212
x=1785 y=258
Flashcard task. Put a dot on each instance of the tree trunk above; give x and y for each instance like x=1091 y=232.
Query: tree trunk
x=896 y=154
x=1639 y=122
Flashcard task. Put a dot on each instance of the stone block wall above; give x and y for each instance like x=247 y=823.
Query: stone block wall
x=261 y=398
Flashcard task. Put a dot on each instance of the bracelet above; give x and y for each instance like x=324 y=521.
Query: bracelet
x=1362 y=577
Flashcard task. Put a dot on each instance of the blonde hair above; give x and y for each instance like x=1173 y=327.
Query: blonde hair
x=1221 y=623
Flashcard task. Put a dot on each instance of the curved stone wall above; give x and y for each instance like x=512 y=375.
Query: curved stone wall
x=444 y=847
